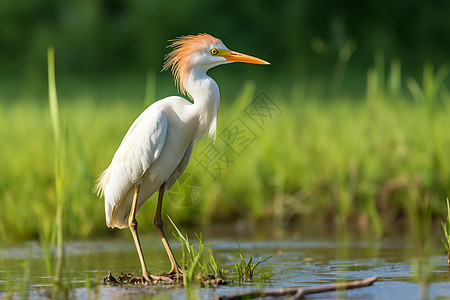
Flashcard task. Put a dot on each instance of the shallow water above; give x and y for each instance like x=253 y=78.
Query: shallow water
x=300 y=263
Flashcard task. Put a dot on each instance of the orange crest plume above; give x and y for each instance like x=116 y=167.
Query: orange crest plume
x=179 y=59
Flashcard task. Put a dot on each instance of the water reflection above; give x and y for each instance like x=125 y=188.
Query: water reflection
x=296 y=263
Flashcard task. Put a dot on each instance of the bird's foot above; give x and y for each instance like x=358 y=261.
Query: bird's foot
x=176 y=272
x=161 y=278
x=148 y=278
x=175 y=275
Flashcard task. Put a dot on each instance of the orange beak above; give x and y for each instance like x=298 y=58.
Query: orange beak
x=230 y=55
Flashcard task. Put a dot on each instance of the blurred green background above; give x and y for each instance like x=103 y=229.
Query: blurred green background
x=302 y=39
x=361 y=138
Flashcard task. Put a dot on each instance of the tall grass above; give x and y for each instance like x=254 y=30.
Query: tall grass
x=197 y=266
x=446 y=227
x=54 y=236
x=363 y=161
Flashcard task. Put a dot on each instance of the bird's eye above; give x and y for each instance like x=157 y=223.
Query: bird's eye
x=214 y=51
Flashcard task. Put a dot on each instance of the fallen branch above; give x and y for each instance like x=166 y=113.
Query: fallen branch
x=299 y=293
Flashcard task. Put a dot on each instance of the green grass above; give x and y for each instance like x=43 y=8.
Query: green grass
x=60 y=150
x=446 y=227
x=246 y=269
x=358 y=160
x=198 y=265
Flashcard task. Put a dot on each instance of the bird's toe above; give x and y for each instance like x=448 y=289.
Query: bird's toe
x=176 y=271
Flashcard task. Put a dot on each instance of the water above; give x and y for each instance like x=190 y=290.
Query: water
x=300 y=263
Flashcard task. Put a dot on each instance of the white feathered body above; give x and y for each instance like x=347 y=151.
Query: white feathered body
x=158 y=145
x=157 y=148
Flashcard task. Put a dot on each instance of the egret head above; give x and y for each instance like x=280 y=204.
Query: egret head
x=201 y=52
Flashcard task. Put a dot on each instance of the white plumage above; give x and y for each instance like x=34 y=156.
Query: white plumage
x=157 y=147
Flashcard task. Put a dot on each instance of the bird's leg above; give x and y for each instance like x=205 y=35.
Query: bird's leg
x=132 y=223
x=160 y=228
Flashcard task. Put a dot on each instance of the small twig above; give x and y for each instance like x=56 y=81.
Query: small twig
x=299 y=293
x=333 y=287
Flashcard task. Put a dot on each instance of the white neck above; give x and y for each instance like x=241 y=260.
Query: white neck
x=204 y=91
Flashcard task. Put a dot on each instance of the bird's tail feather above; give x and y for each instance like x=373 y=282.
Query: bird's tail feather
x=101 y=183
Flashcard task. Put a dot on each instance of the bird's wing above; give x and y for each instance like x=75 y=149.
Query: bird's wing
x=140 y=147
x=180 y=168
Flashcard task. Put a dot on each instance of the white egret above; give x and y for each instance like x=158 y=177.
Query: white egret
x=157 y=147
